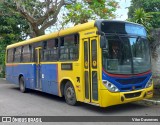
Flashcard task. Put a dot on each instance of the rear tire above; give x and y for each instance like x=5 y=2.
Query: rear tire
x=69 y=94
x=22 y=85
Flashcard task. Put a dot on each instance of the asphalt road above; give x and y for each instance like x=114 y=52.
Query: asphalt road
x=34 y=103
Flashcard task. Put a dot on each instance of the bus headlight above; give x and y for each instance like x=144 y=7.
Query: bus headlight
x=149 y=83
x=111 y=87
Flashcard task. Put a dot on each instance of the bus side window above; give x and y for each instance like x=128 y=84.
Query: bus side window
x=45 y=54
x=10 y=56
x=54 y=49
x=26 y=53
x=63 y=50
x=69 y=47
x=31 y=53
x=76 y=47
x=17 y=54
x=50 y=50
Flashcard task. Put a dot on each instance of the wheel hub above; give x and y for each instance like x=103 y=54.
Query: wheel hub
x=70 y=93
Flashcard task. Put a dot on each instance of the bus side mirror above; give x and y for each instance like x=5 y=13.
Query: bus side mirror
x=103 y=42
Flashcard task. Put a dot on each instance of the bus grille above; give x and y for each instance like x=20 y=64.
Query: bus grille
x=132 y=95
x=131 y=80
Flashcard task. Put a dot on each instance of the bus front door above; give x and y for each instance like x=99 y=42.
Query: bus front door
x=90 y=70
x=38 y=68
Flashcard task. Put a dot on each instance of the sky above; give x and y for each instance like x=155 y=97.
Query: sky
x=123 y=10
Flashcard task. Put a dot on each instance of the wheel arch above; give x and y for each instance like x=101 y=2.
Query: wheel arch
x=62 y=85
x=20 y=75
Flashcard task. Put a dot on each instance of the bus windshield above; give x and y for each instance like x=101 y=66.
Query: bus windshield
x=126 y=55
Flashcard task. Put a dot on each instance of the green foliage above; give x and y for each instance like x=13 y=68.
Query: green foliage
x=85 y=10
x=149 y=6
x=141 y=17
x=11 y=28
x=39 y=14
x=147 y=12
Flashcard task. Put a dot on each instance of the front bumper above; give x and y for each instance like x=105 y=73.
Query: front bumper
x=109 y=98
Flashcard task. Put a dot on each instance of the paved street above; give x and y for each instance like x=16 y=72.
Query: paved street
x=33 y=103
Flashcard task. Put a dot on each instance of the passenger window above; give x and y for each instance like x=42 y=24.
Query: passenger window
x=27 y=53
x=10 y=56
x=17 y=54
x=50 y=50
x=69 y=48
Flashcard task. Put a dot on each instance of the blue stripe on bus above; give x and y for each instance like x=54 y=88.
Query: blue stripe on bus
x=126 y=84
x=48 y=74
x=27 y=70
x=49 y=78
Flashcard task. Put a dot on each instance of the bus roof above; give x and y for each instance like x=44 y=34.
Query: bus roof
x=64 y=32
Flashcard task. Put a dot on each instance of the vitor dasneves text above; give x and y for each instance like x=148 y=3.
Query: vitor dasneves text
x=144 y=120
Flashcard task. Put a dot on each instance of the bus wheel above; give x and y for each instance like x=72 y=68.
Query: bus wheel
x=22 y=85
x=69 y=94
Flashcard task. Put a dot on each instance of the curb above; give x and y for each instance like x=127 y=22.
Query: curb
x=3 y=78
x=156 y=102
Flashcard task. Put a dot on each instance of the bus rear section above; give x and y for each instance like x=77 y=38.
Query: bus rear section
x=20 y=64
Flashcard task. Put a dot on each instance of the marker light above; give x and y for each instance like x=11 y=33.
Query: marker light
x=111 y=87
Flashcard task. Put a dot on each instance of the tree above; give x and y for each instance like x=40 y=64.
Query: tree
x=155 y=42
x=141 y=17
x=84 y=10
x=42 y=14
x=152 y=8
x=39 y=14
x=11 y=27
x=149 y=6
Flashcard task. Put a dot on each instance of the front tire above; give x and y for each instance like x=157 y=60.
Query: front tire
x=22 y=85
x=69 y=94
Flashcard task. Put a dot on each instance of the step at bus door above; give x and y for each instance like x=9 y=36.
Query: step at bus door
x=90 y=70
x=38 y=68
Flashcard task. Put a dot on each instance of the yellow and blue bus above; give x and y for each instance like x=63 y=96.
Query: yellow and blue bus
x=103 y=63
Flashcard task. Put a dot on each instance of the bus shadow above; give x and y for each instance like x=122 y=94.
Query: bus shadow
x=42 y=94
x=111 y=110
